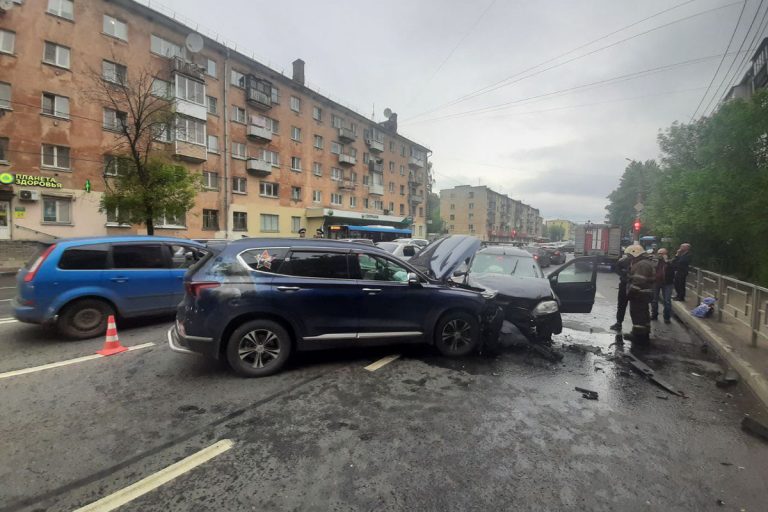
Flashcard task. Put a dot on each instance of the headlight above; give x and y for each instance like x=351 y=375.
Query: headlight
x=488 y=293
x=545 y=308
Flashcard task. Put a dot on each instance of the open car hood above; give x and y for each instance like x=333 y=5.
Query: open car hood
x=440 y=258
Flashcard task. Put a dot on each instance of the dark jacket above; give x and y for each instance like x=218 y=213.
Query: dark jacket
x=642 y=276
x=622 y=268
x=682 y=263
x=665 y=272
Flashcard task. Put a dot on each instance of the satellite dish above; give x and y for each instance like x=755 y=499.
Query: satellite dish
x=6 y=5
x=387 y=112
x=194 y=42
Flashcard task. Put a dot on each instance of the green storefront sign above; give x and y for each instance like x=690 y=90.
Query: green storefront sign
x=27 y=180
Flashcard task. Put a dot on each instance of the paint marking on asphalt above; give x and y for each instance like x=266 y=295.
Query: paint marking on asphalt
x=8 y=321
x=66 y=362
x=381 y=362
x=7 y=287
x=152 y=482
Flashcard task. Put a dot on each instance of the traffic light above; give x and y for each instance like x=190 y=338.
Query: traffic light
x=637 y=226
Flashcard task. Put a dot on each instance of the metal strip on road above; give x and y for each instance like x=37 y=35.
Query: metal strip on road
x=381 y=362
x=152 y=482
x=66 y=362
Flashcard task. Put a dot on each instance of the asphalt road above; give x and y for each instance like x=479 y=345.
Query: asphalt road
x=420 y=433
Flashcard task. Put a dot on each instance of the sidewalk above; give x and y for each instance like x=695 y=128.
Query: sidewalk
x=731 y=340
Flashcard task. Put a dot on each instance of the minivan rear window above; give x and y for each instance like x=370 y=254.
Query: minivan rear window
x=86 y=257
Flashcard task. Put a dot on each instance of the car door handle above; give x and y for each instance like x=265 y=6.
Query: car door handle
x=288 y=288
x=119 y=279
x=371 y=291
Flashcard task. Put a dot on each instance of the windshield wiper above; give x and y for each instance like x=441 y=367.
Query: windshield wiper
x=514 y=268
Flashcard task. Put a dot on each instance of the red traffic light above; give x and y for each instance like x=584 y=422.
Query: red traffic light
x=637 y=225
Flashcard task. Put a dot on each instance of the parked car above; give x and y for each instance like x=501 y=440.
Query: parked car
x=401 y=250
x=415 y=241
x=540 y=254
x=75 y=284
x=366 y=241
x=556 y=256
x=254 y=302
x=529 y=300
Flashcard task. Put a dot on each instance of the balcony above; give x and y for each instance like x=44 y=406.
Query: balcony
x=190 y=152
x=258 y=93
x=259 y=132
x=376 y=146
x=347 y=159
x=179 y=65
x=417 y=198
x=347 y=185
x=377 y=190
x=413 y=179
x=373 y=166
x=258 y=167
x=415 y=162
x=347 y=135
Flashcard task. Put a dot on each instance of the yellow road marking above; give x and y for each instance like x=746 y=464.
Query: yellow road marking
x=152 y=482
x=66 y=362
x=381 y=362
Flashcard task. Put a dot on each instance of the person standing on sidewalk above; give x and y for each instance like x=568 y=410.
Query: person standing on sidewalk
x=622 y=268
x=665 y=275
x=642 y=276
x=681 y=263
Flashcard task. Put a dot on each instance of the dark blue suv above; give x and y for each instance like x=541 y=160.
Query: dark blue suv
x=255 y=301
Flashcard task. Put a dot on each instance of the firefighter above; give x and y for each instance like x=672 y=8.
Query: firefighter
x=622 y=268
x=642 y=276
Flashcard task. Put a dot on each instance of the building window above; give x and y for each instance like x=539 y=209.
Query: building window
x=57 y=210
x=55 y=156
x=318 y=142
x=239 y=150
x=391 y=207
x=421 y=211
x=190 y=130
x=5 y=95
x=273 y=157
x=7 y=41
x=56 y=55
x=163 y=47
x=237 y=79
x=162 y=133
x=453 y=206
x=366 y=180
x=212 y=104
x=378 y=205
x=317 y=196
x=239 y=221
x=115 y=28
x=296 y=134
x=54 y=105
x=117 y=74
x=335 y=148
x=317 y=168
x=402 y=170
x=337 y=174
x=295 y=163
x=270 y=223
x=392 y=146
x=114 y=165
x=402 y=150
x=62 y=8
x=391 y=187
x=451 y=217
x=160 y=88
x=471 y=195
x=336 y=121
x=317 y=113
x=352 y=152
x=272 y=124
x=366 y=157
x=295 y=104
x=267 y=189
x=4 y=141
x=210 y=67
x=353 y=176
x=451 y=228
x=471 y=227
x=167 y=220
x=213 y=144
x=211 y=180
x=471 y=216
x=391 y=166
x=352 y=202
x=296 y=193
x=114 y=120
x=295 y=224
x=402 y=209
x=366 y=202
x=239 y=185
x=238 y=114
x=402 y=190
x=471 y=206
x=210 y=220
x=336 y=199
x=275 y=95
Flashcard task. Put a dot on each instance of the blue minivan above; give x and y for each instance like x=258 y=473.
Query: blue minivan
x=76 y=283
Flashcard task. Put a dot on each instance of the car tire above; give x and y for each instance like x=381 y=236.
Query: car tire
x=84 y=318
x=258 y=348
x=457 y=334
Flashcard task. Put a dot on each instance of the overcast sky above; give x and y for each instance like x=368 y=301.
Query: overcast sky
x=562 y=153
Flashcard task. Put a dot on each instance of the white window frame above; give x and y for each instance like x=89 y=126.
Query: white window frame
x=337 y=199
x=212 y=100
x=210 y=180
x=190 y=90
x=239 y=115
x=295 y=224
x=55 y=164
x=317 y=168
x=296 y=133
x=296 y=163
x=336 y=148
x=274 y=157
x=295 y=196
x=62 y=55
x=269 y=223
x=110 y=71
x=60 y=105
x=212 y=148
x=269 y=189
x=184 y=133
x=111 y=120
x=239 y=150
x=337 y=174
x=239 y=185
x=295 y=103
x=336 y=121
x=272 y=124
x=161 y=88
x=353 y=201
x=5 y=99
x=164 y=48
x=210 y=68
x=56 y=7
x=7 y=41
x=317 y=113
x=168 y=222
x=117 y=26
x=319 y=141
x=59 y=201
x=237 y=78
x=317 y=196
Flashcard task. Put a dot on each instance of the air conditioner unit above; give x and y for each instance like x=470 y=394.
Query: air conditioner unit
x=29 y=195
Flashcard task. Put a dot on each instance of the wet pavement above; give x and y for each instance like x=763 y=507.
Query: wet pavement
x=507 y=432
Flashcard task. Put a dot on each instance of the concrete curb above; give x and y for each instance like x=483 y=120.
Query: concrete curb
x=751 y=377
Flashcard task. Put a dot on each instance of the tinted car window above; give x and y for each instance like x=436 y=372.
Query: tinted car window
x=87 y=257
x=328 y=265
x=265 y=259
x=138 y=256
x=375 y=268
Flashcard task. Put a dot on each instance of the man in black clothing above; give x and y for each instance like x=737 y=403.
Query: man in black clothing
x=681 y=264
x=622 y=268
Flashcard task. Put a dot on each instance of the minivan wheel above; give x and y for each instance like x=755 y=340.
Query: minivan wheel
x=86 y=318
x=258 y=348
x=457 y=334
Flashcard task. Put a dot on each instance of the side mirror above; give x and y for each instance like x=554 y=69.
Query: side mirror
x=409 y=250
x=413 y=279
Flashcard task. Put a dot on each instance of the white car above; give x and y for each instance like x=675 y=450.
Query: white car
x=420 y=242
x=400 y=250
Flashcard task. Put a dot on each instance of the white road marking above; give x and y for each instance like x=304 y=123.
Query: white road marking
x=8 y=321
x=7 y=287
x=381 y=362
x=66 y=362
x=152 y=482
x=599 y=295
x=5 y=300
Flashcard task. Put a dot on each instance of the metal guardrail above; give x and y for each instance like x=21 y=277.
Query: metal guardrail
x=745 y=303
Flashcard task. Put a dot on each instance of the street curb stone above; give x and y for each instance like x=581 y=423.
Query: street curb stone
x=751 y=377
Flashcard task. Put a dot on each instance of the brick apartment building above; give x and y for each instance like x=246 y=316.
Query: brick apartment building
x=275 y=155
x=488 y=215
x=755 y=77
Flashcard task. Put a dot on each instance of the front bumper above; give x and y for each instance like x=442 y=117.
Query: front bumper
x=191 y=344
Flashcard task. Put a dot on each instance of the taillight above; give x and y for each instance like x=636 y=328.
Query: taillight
x=38 y=263
x=194 y=288
x=557 y=253
x=535 y=256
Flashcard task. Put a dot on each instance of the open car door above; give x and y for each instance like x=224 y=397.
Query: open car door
x=575 y=284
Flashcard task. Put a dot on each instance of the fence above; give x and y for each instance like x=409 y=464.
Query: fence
x=741 y=304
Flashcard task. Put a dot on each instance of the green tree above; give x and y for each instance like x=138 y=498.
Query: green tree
x=556 y=232
x=437 y=225
x=635 y=186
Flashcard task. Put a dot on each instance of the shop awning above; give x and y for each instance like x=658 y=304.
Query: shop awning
x=380 y=229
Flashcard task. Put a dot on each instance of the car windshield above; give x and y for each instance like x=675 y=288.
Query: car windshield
x=519 y=266
x=388 y=246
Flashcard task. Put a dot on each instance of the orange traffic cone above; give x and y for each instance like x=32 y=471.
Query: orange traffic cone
x=111 y=343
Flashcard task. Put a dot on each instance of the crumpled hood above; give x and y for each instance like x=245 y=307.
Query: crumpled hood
x=440 y=258
x=511 y=286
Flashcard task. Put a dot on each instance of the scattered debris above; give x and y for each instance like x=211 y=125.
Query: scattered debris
x=720 y=502
x=587 y=393
x=648 y=372
x=754 y=427
x=624 y=373
x=729 y=395
x=726 y=463
x=695 y=374
x=576 y=347
x=547 y=353
x=662 y=397
x=729 y=378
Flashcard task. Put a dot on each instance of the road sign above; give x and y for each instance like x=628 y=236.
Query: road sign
x=639 y=207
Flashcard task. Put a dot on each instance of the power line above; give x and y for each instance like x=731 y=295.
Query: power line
x=719 y=65
x=502 y=83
